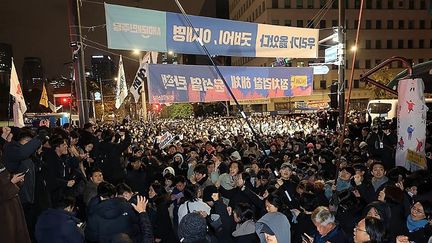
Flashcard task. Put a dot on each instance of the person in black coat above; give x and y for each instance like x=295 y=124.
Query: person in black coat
x=136 y=176
x=108 y=155
x=59 y=224
x=60 y=179
x=369 y=190
x=146 y=231
x=109 y=216
x=159 y=215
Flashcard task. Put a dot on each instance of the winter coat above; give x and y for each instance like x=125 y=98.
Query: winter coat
x=138 y=181
x=245 y=233
x=90 y=191
x=109 y=158
x=278 y=223
x=110 y=217
x=57 y=226
x=368 y=192
x=190 y=207
x=17 y=160
x=13 y=228
x=335 y=235
x=161 y=222
x=58 y=175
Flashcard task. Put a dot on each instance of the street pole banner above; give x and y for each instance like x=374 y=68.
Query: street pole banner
x=411 y=124
x=141 y=75
x=170 y=83
x=150 y=30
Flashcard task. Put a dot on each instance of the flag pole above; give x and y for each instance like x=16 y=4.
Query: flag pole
x=9 y=109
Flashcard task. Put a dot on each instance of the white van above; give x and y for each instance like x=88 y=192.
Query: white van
x=387 y=109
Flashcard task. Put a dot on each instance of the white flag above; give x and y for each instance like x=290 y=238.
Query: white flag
x=138 y=83
x=122 y=91
x=19 y=107
x=53 y=107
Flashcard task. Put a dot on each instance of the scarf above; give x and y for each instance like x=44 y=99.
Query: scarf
x=413 y=225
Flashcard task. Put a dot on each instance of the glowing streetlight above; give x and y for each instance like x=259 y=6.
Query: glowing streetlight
x=354 y=48
x=136 y=52
x=170 y=53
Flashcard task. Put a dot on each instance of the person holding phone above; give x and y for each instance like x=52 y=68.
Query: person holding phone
x=14 y=227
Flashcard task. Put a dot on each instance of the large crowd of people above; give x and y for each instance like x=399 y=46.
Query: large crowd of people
x=211 y=180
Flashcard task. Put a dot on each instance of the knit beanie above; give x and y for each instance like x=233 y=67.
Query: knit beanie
x=192 y=228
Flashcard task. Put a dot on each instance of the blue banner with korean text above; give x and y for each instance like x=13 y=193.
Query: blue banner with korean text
x=150 y=30
x=170 y=83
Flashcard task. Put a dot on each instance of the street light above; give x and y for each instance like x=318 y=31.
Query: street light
x=354 y=48
x=136 y=52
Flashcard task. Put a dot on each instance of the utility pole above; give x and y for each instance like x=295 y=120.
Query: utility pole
x=341 y=67
x=78 y=61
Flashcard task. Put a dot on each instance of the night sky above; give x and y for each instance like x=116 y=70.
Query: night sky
x=40 y=28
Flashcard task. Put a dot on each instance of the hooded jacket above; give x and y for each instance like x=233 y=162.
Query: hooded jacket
x=57 y=225
x=109 y=218
x=245 y=232
x=278 y=223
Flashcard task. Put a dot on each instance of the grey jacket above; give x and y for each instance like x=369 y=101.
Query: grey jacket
x=278 y=223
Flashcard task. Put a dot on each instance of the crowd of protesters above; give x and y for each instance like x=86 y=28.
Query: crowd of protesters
x=213 y=181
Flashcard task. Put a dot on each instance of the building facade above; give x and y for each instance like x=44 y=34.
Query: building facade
x=388 y=28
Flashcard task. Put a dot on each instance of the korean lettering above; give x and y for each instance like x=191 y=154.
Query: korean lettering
x=258 y=83
x=302 y=42
x=219 y=85
x=174 y=81
x=234 y=38
x=179 y=33
x=274 y=41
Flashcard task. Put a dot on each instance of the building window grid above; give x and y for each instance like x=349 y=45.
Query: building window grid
x=378 y=24
x=390 y=4
x=421 y=44
x=400 y=44
x=368 y=24
x=422 y=24
x=287 y=4
x=389 y=44
x=389 y=24
x=410 y=44
x=377 y=44
x=410 y=24
x=401 y=24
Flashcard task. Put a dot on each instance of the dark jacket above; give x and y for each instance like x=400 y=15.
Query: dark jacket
x=58 y=175
x=108 y=157
x=17 y=159
x=13 y=228
x=58 y=226
x=368 y=192
x=138 y=181
x=336 y=235
x=110 y=217
x=146 y=231
x=161 y=222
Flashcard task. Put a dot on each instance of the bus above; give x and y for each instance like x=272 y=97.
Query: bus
x=386 y=109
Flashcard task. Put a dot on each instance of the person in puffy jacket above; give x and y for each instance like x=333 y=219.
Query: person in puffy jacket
x=109 y=216
x=59 y=225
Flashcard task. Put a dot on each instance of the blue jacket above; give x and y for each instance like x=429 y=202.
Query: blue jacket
x=109 y=218
x=58 y=226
